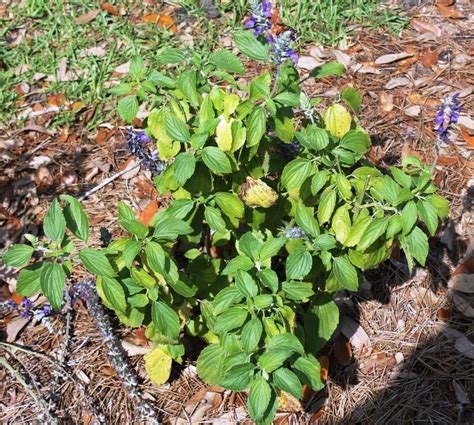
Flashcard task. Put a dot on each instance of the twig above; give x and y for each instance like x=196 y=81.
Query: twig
x=109 y=180
x=36 y=397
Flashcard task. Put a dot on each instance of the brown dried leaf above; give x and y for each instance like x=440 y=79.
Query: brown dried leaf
x=109 y=8
x=425 y=27
x=324 y=365
x=87 y=17
x=464 y=303
x=397 y=82
x=430 y=58
x=14 y=328
x=462 y=343
x=148 y=213
x=392 y=57
x=342 y=350
x=164 y=21
x=469 y=138
x=386 y=101
x=450 y=12
x=412 y=111
x=462 y=282
x=354 y=332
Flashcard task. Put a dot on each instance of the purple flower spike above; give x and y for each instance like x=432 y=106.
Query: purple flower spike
x=448 y=114
x=136 y=143
x=282 y=47
x=260 y=19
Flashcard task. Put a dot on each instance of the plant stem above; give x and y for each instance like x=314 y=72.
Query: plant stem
x=275 y=81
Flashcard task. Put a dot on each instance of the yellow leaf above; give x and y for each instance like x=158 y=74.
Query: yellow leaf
x=239 y=135
x=256 y=193
x=337 y=120
x=224 y=134
x=166 y=147
x=158 y=365
x=231 y=101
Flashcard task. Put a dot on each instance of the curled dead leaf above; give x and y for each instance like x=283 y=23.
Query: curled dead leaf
x=342 y=350
x=164 y=21
x=392 y=57
x=462 y=342
x=449 y=11
x=324 y=367
x=425 y=27
x=148 y=212
x=110 y=8
x=463 y=302
x=87 y=17
x=469 y=138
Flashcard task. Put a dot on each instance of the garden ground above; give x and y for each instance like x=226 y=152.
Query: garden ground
x=399 y=355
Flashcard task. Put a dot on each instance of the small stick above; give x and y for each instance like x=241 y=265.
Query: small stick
x=109 y=180
x=36 y=397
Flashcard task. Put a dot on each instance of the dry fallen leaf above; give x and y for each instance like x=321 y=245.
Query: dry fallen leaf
x=466 y=122
x=164 y=21
x=109 y=8
x=342 y=350
x=462 y=343
x=324 y=367
x=450 y=12
x=354 y=332
x=386 y=101
x=308 y=62
x=469 y=138
x=424 y=27
x=463 y=302
x=130 y=163
x=87 y=17
x=14 y=328
x=393 y=57
x=148 y=212
x=412 y=111
x=397 y=82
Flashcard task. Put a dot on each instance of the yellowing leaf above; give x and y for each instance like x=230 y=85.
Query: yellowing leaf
x=224 y=134
x=158 y=365
x=239 y=135
x=337 y=120
x=256 y=193
x=231 y=101
x=166 y=147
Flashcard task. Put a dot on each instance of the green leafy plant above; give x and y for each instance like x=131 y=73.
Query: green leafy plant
x=274 y=210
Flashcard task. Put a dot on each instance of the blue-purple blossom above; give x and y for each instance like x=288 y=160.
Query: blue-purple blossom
x=137 y=145
x=290 y=150
x=260 y=19
x=295 y=233
x=448 y=114
x=282 y=46
x=26 y=309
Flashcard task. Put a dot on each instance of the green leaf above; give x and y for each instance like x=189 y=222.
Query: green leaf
x=170 y=55
x=131 y=251
x=122 y=89
x=263 y=301
x=161 y=80
x=256 y=126
x=249 y=245
x=409 y=217
x=320 y=322
x=373 y=232
x=184 y=166
x=114 y=293
x=356 y=141
x=176 y=129
x=241 y=262
x=357 y=230
x=170 y=228
x=187 y=85
x=417 y=243
x=53 y=281
x=226 y=298
x=216 y=160
x=298 y=290
x=238 y=377
x=283 y=124
x=298 y=264
x=210 y=364
x=308 y=371
x=260 y=87
x=429 y=216
x=251 y=334
x=341 y=223
x=28 y=281
x=76 y=218
x=223 y=59
x=352 y=97
x=165 y=319
x=305 y=219
x=325 y=242
x=287 y=381
x=248 y=44
x=269 y=278
x=288 y=99
x=230 y=319
x=286 y=341
x=155 y=256
x=273 y=359
x=313 y=138
x=137 y=68
x=179 y=208
x=271 y=247
x=326 y=206
x=184 y=285
x=96 y=262
x=138 y=300
x=318 y=181
x=230 y=204
x=54 y=224
x=401 y=178
x=128 y=108
x=394 y=225
x=327 y=70
x=259 y=398
x=346 y=273
x=440 y=204
x=214 y=218
x=246 y=284
x=18 y=255
x=295 y=173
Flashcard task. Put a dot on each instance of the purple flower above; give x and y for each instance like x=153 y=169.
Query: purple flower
x=290 y=150
x=136 y=143
x=448 y=114
x=282 y=46
x=295 y=233
x=260 y=19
